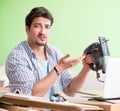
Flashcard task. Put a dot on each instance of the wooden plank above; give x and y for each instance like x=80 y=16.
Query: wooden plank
x=1 y=109
x=105 y=105
x=38 y=102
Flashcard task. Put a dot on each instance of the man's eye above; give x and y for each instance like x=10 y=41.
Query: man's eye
x=36 y=26
x=48 y=27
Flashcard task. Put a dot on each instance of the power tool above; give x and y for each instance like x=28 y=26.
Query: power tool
x=98 y=51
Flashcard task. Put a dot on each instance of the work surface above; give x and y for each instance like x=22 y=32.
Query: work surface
x=32 y=101
x=107 y=105
x=39 y=102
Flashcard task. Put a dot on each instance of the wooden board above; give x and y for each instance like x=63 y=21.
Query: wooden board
x=39 y=102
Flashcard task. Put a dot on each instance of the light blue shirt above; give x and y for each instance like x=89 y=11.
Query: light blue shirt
x=44 y=67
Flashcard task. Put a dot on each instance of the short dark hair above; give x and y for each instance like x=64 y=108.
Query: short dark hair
x=38 y=12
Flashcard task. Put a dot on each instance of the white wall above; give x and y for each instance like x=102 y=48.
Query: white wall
x=3 y=78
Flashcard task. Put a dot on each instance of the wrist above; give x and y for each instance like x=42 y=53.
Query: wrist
x=58 y=69
x=86 y=69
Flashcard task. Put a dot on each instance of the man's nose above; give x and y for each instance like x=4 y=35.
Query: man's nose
x=43 y=30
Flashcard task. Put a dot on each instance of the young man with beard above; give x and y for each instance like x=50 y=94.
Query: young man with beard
x=37 y=68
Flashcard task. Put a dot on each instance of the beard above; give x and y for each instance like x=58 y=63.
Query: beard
x=41 y=44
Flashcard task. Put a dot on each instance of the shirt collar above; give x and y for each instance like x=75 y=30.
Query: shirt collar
x=30 y=51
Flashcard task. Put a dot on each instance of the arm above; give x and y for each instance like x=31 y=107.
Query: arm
x=76 y=83
x=42 y=86
x=72 y=88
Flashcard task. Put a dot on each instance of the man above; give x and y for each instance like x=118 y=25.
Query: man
x=34 y=67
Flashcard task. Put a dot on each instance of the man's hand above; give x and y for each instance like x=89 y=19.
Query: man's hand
x=88 y=60
x=65 y=62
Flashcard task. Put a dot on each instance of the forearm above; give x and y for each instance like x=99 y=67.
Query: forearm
x=76 y=83
x=41 y=87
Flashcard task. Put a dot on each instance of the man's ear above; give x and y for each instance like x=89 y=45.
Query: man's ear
x=27 y=29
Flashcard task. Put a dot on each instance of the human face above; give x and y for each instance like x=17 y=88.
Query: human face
x=39 y=31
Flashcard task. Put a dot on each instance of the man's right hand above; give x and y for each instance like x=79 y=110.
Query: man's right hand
x=66 y=63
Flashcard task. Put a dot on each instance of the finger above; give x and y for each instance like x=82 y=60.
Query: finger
x=81 y=57
x=77 y=60
x=66 y=56
x=89 y=59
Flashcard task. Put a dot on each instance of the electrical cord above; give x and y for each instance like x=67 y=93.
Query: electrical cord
x=98 y=77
